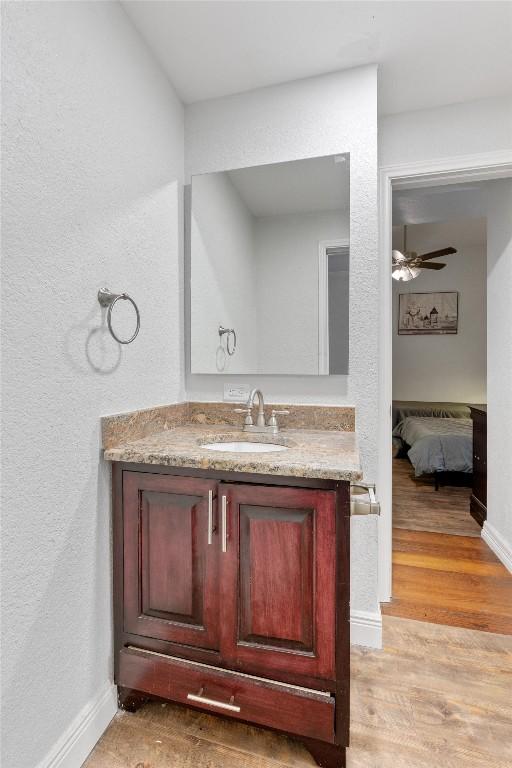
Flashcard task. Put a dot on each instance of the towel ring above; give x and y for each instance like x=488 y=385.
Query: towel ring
x=108 y=299
x=230 y=335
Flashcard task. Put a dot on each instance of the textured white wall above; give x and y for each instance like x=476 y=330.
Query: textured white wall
x=458 y=129
x=287 y=279
x=323 y=115
x=451 y=367
x=92 y=163
x=223 y=275
x=499 y=359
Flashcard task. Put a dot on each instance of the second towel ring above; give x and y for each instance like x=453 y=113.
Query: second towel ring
x=107 y=299
x=230 y=335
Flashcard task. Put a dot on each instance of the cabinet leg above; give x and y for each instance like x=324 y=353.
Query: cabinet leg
x=129 y=699
x=326 y=755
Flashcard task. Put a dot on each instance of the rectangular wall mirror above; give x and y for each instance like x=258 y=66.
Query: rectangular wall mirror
x=269 y=250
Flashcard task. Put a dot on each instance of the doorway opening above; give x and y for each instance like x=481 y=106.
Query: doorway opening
x=333 y=306
x=434 y=349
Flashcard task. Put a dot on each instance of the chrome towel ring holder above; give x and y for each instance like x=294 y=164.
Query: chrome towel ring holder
x=108 y=299
x=230 y=337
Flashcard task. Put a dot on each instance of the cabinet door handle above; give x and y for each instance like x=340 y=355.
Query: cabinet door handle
x=224 y=521
x=200 y=699
x=210 y=517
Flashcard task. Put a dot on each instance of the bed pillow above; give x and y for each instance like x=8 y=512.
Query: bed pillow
x=404 y=408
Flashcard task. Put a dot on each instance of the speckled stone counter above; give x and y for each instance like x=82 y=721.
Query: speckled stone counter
x=326 y=454
x=123 y=427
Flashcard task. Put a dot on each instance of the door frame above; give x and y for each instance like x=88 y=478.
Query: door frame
x=323 y=301
x=449 y=170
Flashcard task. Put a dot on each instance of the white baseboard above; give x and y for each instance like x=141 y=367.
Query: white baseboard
x=78 y=740
x=497 y=543
x=366 y=628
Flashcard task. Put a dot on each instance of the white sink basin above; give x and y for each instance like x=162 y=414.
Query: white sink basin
x=244 y=446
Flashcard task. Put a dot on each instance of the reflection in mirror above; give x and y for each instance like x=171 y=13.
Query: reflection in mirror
x=270 y=269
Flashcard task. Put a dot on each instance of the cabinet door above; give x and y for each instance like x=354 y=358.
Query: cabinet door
x=483 y=461
x=479 y=459
x=278 y=580
x=170 y=569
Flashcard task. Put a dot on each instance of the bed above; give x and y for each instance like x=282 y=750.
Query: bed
x=438 y=437
x=405 y=408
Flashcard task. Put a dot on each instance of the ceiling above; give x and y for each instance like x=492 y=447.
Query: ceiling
x=458 y=232
x=429 y=53
x=299 y=186
x=442 y=203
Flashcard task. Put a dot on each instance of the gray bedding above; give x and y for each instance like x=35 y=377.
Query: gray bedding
x=437 y=444
x=402 y=409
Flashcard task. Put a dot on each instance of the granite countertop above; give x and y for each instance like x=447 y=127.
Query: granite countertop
x=325 y=454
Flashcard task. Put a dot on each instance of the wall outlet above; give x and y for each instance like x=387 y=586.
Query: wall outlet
x=236 y=393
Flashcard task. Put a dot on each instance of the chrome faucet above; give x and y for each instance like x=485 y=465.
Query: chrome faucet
x=260 y=420
x=271 y=428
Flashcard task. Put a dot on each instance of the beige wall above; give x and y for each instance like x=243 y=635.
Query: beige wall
x=448 y=367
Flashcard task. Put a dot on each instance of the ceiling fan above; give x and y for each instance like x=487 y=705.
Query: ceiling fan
x=406 y=265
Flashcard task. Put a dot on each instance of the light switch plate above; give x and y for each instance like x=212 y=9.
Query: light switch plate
x=236 y=393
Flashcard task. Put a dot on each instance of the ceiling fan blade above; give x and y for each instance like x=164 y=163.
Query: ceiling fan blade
x=429 y=265
x=435 y=254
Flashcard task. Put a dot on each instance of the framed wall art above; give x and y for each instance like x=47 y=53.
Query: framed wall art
x=428 y=313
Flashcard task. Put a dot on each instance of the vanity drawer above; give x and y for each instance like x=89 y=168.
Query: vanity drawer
x=284 y=707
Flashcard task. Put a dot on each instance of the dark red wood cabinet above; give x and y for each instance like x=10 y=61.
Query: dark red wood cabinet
x=171 y=574
x=478 y=500
x=232 y=596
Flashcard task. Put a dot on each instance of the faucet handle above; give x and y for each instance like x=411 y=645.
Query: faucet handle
x=248 y=419
x=272 y=422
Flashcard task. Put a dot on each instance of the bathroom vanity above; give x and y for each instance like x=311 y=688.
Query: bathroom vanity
x=231 y=578
x=231 y=537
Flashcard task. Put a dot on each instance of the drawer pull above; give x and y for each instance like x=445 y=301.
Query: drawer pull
x=200 y=699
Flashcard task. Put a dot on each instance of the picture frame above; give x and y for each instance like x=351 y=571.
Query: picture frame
x=435 y=313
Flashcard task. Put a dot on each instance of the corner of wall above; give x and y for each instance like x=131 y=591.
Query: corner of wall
x=77 y=741
x=366 y=628
x=496 y=542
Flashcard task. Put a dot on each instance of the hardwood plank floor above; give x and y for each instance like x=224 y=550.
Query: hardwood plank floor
x=434 y=696
x=453 y=580
x=417 y=506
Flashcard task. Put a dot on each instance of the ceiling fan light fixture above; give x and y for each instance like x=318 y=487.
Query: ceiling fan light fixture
x=406 y=265
x=398 y=257
x=404 y=273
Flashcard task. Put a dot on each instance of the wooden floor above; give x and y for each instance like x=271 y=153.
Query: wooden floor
x=436 y=696
x=417 y=506
x=453 y=580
